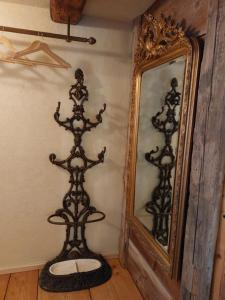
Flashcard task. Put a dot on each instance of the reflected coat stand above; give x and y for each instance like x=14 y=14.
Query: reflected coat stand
x=161 y=199
x=76 y=267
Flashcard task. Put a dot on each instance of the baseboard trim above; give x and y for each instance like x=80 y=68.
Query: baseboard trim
x=21 y=269
x=40 y=266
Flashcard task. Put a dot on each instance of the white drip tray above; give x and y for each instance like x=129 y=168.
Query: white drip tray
x=74 y=266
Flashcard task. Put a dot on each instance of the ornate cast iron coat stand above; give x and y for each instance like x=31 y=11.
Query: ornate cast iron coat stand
x=76 y=267
x=161 y=199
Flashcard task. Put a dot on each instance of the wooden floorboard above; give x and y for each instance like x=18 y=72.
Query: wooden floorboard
x=81 y=295
x=104 y=291
x=4 y=279
x=22 y=286
x=119 y=287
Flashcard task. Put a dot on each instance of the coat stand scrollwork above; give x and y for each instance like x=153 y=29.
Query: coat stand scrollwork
x=161 y=198
x=76 y=267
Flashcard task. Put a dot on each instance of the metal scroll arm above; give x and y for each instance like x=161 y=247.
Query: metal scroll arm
x=90 y=124
x=93 y=163
x=66 y=123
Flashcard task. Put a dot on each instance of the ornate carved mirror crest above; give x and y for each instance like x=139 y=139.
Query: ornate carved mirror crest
x=161 y=123
x=157 y=37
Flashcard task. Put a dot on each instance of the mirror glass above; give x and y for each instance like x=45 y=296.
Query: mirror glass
x=158 y=131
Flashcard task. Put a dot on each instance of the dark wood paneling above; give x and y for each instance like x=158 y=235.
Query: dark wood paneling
x=60 y=10
x=193 y=13
x=208 y=159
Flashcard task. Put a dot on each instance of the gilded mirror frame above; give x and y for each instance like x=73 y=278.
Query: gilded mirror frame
x=160 y=41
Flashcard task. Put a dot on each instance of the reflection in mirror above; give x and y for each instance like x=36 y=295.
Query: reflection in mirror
x=160 y=102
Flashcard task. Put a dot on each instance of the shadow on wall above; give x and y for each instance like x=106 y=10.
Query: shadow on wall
x=36 y=75
x=104 y=23
x=114 y=118
x=32 y=75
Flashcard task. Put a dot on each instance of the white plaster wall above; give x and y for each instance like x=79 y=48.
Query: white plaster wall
x=31 y=188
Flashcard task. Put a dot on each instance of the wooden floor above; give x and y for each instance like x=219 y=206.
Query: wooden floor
x=24 y=286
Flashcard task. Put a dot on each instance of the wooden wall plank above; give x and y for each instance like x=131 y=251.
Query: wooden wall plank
x=119 y=287
x=207 y=173
x=193 y=13
x=4 y=279
x=22 y=286
x=218 y=292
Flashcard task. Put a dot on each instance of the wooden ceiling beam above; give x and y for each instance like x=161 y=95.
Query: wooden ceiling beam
x=60 y=10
